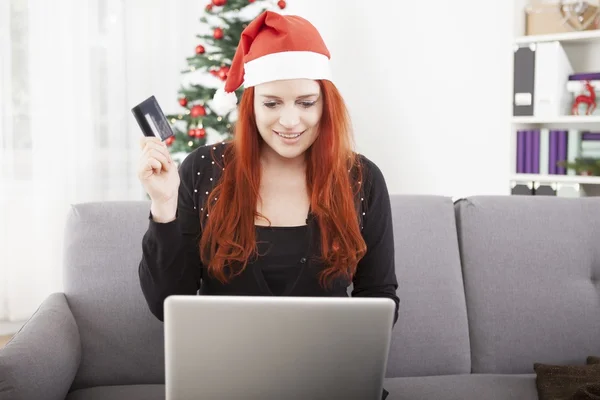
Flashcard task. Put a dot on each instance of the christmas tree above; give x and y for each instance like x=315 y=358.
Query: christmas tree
x=197 y=122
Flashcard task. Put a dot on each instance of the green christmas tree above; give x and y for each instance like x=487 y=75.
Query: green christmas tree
x=225 y=19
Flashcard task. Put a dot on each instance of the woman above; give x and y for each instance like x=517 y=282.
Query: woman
x=286 y=208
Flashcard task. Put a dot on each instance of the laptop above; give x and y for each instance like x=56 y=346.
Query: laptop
x=263 y=348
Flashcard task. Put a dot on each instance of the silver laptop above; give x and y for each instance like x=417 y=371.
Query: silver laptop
x=288 y=348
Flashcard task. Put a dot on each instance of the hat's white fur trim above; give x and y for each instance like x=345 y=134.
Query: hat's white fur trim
x=286 y=65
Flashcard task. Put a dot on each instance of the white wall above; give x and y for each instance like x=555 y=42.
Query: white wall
x=428 y=85
x=162 y=35
x=428 y=88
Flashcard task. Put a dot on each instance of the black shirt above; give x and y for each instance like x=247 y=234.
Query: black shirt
x=284 y=251
x=171 y=264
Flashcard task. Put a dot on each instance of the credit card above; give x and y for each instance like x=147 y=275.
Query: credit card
x=151 y=119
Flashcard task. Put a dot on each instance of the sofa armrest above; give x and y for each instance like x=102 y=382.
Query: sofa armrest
x=42 y=358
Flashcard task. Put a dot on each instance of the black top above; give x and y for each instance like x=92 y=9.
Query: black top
x=283 y=250
x=171 y=264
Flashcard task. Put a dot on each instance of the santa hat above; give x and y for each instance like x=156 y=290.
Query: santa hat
x=273 y=47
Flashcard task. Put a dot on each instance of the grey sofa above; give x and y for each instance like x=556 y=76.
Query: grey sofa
x=488 y=286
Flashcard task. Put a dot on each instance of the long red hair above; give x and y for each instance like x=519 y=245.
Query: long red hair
x=228 y=239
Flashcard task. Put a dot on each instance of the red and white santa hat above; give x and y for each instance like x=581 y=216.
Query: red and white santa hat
x=274 y=47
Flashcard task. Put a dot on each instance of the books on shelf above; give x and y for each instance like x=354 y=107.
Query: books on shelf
x=585 y=76
x=539 y=151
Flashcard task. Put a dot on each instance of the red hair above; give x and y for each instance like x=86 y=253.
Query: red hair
x=228 y=236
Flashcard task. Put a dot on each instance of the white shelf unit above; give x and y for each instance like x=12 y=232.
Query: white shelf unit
x=565 y=179
x=583 y=50
x=564 y=119
x=570 y=37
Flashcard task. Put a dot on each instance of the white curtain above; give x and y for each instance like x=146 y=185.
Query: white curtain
x=70 y=72
x=65 y=133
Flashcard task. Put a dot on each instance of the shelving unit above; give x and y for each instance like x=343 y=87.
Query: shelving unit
x=590 y=120
x=583 y=51
x=571 y=37
x=565 y=179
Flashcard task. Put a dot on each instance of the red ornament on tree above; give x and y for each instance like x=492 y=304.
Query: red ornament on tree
x=170 y=140
x=219 y=3
x=281 y=4
x=200 y=49
x=251 y=1
x=197 y=111
x=223 y=73
x=218 y=33
x=200 y=133
x=209 y=7
x=183 y=102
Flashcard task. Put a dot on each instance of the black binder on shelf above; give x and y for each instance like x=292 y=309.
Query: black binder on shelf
x=524 y=80
x=545 y=189
x=522 y=189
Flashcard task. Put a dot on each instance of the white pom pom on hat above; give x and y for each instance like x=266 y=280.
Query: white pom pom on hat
x=223 y=102
x=273 y=47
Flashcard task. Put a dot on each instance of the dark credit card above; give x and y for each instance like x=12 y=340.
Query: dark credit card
x=151 y=119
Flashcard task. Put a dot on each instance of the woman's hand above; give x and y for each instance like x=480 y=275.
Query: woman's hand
x=159 y=176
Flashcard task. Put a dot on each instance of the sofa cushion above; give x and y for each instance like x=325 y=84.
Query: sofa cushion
x=450 y=387
x=122 y=342
x=463 y=387
x=431 y=336
x=531 y=267
x=123 y=392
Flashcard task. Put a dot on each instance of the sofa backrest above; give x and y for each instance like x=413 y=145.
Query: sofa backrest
x=531 y=267
x=122 y=342
x=431 y=336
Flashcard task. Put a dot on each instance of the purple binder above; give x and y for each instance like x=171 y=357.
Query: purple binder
x=520 y=152
x=552 y=155
x=561 y=151
x=528 y=152
x=535 y=156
